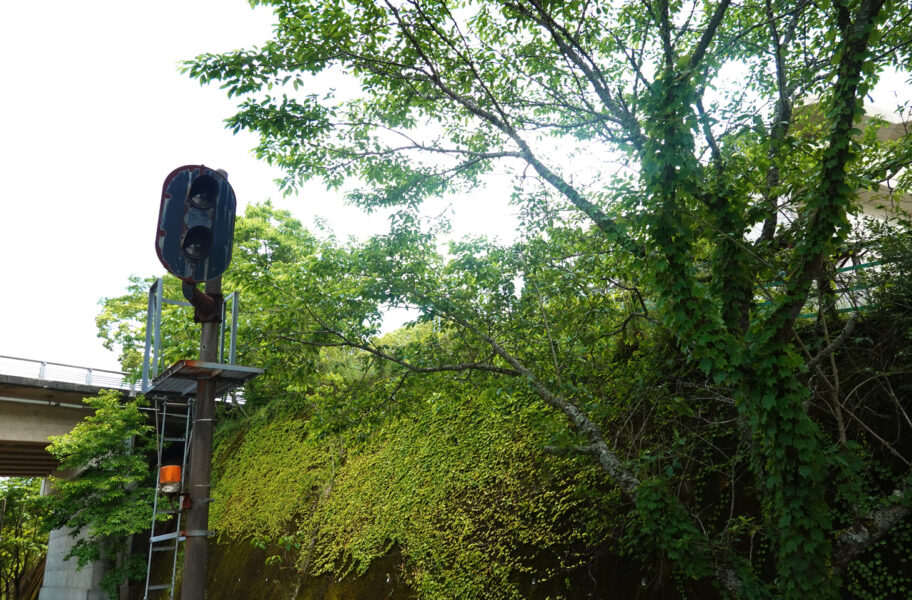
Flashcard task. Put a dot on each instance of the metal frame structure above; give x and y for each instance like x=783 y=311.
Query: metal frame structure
x=178 y=384
x=152 y=355
x=182 y=383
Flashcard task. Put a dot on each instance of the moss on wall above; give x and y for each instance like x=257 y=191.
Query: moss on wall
x=241 y=571
x=454 y=497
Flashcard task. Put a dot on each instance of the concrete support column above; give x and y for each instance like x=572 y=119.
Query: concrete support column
x=61 y=579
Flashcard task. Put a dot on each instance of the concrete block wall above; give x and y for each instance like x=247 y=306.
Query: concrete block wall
x=61 y=579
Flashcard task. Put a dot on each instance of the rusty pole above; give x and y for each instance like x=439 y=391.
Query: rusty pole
x=193 y=585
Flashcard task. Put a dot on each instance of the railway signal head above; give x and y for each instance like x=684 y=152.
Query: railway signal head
x=196 y=223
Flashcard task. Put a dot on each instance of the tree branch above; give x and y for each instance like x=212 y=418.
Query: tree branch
x=837 y=343
x=579 y=421
x=833 y=195
x=374 y=351
x=601 y=220
x=708 y=34
x=870 y=528
x=573 y=50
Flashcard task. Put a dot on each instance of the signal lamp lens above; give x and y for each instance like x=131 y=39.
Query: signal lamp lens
x=197 y=243
x=203 y=192
x=170 y=488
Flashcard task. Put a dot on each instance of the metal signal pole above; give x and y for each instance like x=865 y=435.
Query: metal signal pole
x=193 y=586
x=193 y=241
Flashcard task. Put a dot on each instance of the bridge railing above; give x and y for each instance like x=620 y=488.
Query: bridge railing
x=51 y=371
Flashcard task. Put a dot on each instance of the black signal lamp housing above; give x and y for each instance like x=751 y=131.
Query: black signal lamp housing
x=196 y=223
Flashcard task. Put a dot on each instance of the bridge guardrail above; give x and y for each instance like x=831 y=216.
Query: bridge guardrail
x=51 y=371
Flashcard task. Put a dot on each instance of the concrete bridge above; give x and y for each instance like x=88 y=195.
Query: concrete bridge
x=37 y=400
x=40 y=399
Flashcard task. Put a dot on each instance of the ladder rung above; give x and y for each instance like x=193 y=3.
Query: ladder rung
x=164 y=586
x=175 y=439
x=165 y=536
x=170 y=511
x=165 y=549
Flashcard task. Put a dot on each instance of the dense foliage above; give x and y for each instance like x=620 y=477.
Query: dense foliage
x=108 y=496
x=712 y=207
x=649 y=314
x=23 y=541
x=357 y=446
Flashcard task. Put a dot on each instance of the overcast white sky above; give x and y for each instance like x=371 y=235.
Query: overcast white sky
x=93 y=116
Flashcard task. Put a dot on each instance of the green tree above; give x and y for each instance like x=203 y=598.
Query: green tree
x=109 y=497
x=269 y=247
x=22 y=538
x=452 y=90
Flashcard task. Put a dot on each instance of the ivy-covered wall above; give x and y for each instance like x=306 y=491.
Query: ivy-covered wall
x=450 y=498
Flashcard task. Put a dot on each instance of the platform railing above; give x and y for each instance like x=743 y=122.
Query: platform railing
x=853 y=290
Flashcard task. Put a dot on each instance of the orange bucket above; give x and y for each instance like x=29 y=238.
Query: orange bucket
x=169 y=474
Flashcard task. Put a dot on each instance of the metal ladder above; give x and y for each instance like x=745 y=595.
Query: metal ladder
x=167 y=542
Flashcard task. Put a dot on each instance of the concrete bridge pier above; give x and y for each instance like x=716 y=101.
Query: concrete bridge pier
x=61 y=579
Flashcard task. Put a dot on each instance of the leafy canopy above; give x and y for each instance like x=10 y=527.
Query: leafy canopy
x=109 y=496
x=714 y=212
